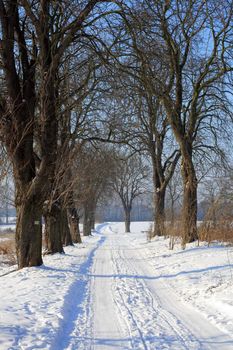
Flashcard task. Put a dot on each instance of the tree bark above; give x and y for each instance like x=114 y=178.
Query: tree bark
x=127 y=219
x=87 y=221
x=29 y=233
x=92 y=217
x=172 y=213
x=17 y=133
x=53 y=229
x=189 y=196
x=74 y=225
x=160 y=185
x=66 y=234
x=159 y=204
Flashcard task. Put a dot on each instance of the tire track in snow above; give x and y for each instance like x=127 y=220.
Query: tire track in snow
x=158 y=320
x=131 y=314
x=136 y=337
x=75 y=327
x=171 y=321
x=168 y=318
x=109 y=331
x=179 y=323
x=187 y=322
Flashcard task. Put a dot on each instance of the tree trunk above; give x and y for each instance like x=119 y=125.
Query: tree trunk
x=29 y=233
x=92 y=217
x=74 y=225
x=66 y=234
x=189 y=197
x=86 y=221
x=159 y=196
x=172 y=218
x=18 y=132
x=159 y=224
x=127 y=219
x=53 y=229
x=7 y=214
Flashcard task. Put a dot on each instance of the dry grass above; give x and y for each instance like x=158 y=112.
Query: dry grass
x=7 y=250
x=222 y=231
x=174 y=232
x=150 y=233
x=7 y=236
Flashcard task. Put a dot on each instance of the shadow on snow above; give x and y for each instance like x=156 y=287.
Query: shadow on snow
x=119 y=276
x=72 y=307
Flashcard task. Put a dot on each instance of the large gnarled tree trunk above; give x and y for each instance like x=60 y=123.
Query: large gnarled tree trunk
x=18 y=134
x=28 y=232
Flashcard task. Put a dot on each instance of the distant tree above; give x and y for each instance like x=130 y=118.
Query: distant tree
x=129 y=182
x=92 y=173
x=6 y=185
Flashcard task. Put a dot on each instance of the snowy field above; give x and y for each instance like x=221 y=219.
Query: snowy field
x=117 y=291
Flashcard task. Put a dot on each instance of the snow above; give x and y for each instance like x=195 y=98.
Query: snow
x=7 y=227
x=119 y=291
x=4 y=239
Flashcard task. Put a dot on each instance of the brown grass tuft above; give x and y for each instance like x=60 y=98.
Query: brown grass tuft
x=174 y=232
x=221 y=231
x=7 y=248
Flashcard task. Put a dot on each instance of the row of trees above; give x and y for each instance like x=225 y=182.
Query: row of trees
x=154 y=76
x=177 y=80
x=48 y=83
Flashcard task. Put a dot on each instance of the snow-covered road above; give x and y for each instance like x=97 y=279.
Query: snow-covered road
x=132 y=308
x=116 y=291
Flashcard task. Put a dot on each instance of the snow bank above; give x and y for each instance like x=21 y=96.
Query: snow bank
x=202 y=276
x=34 y=301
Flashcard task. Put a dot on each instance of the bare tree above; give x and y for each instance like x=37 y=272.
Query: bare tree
x=28 y=55
x=144 y=123
x=92 y=171
x=129 y=182
x=189 y=91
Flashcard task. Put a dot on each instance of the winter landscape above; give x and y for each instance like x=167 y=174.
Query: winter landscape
x=116 y=174
x=119 y=291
